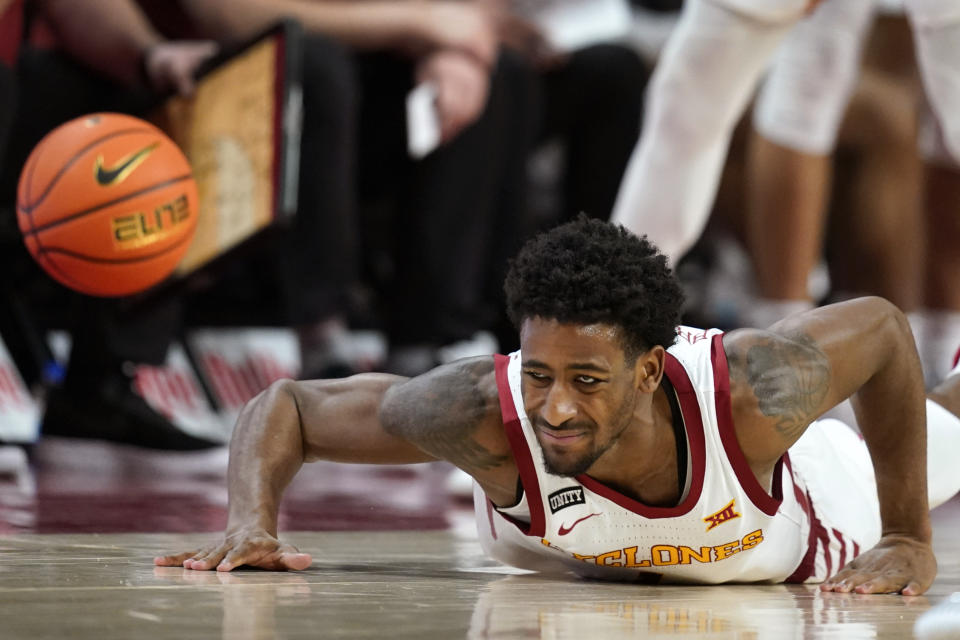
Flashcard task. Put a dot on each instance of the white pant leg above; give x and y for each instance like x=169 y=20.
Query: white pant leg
x=943 y=444
x=805 y=95
x=708 y=71
x=932 y=13
x=936 y=27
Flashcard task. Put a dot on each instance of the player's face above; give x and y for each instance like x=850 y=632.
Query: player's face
x=578 y=391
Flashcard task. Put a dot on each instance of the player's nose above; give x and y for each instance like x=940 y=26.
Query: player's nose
x=559 y=406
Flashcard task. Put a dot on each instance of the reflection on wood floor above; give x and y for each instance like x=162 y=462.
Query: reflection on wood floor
x=394 y=556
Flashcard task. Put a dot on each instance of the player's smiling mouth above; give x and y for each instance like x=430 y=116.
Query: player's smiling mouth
x=561 y=437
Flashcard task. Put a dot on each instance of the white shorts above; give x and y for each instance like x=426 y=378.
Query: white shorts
x=805 y=96
x=931 y=13
x=835 y=465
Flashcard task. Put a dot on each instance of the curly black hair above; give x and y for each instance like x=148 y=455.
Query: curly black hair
x=589 y=271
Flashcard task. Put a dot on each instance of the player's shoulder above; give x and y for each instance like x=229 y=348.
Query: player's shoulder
x=453 y=413
x=759 y=348
x=778 y=378
x=460 y=395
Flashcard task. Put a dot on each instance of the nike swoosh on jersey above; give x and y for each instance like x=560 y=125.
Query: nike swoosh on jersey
x=562 y=531
x=124 y=167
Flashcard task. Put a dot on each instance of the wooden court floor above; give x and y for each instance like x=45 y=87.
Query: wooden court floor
x=417 y=577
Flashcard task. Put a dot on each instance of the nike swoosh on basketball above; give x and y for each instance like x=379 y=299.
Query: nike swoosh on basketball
x=124 y=167
x=562 y=531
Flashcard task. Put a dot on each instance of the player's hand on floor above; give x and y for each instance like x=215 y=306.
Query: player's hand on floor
x=898 y=564
x=249 y=546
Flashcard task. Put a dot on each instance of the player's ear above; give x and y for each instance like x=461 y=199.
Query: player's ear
x=648 y=369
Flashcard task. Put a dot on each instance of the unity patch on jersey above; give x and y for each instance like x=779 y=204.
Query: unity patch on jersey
x=566 y=497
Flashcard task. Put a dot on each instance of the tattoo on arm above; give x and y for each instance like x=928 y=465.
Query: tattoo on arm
x=441 y=412
x=789 y=378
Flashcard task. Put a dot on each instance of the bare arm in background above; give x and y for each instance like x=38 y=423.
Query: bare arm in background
x=115 y=38
x=453 y=42
x=416 y=27
x=109 y=36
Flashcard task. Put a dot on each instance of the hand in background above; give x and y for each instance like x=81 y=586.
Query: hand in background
x=172 y=65
x=462 y=86
x=528 y=40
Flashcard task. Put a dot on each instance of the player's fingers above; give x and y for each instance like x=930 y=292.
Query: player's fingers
x=173 y=559
x=208 y=560
x=281 y=558
x=295 y=560
x=200 y=553
x=840 y=582
x=879 y=584
x=187 y=562
x=914 y=588
x=244 y=555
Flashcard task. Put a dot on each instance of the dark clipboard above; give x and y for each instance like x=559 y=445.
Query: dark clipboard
x=241 y=132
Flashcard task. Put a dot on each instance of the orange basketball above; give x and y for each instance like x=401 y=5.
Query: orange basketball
x=107 y=204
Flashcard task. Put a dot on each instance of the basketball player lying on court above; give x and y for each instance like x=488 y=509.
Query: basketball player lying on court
x=616 y=445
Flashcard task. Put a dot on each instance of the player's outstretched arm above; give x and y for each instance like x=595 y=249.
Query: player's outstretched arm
x=286 y=425
x=784 y=378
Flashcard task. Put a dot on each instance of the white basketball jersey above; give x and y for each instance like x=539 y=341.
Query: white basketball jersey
x=726 y=528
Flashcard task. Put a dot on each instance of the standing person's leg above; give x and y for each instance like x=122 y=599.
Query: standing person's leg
x=796 y=119
x=444 y=217
x=940 y=313
x=701 y=85
x=320 y=258
x=936 y=25
x=878 y=219
x=593 y=103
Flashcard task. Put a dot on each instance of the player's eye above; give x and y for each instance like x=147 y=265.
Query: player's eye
x=535 y=375
x=589 y=380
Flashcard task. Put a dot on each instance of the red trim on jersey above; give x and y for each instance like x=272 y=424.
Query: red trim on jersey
x=693 y=422
x=728 y=435
x=807 y=566
x=856 y=550
x=823 y=536
x=816 y=540
x=493 y=527
x=521 y=453
x=843 y=547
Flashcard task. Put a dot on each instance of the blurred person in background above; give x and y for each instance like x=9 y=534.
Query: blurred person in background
x=578 y=111
x=587 y=87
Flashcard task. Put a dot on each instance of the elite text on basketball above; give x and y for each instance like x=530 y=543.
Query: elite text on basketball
x=140 y=228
